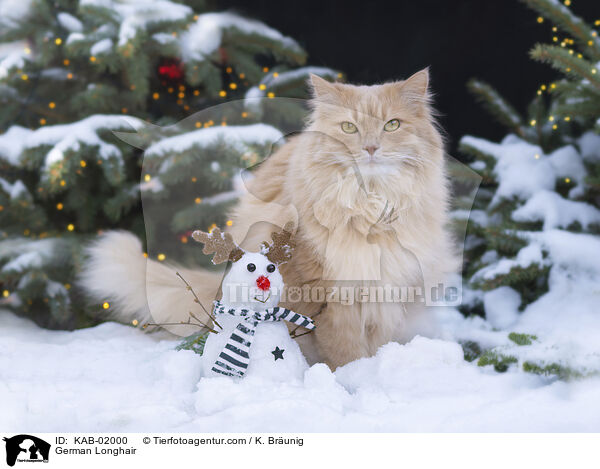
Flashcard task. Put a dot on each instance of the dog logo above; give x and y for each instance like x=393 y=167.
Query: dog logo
x=26 y=448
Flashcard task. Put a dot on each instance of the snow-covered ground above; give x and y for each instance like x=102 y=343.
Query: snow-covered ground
x=115 y=378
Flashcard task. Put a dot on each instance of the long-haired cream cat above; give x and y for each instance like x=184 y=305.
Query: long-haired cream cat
x=367 y=179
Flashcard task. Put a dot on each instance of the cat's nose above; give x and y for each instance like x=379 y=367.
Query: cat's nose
x=371 y=149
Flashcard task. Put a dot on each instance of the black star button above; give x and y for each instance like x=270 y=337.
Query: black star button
x=278 y=353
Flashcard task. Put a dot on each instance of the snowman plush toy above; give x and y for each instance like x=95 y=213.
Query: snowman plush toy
x=251 y=336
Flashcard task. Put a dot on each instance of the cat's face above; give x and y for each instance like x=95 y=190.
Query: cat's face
x=381 y=129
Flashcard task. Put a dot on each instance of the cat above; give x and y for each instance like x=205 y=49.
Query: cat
x=368 y=181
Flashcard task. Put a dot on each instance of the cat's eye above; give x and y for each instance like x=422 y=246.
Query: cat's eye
x=391 y=125
x=349 y=127
x=271 y=268
x=251 y=267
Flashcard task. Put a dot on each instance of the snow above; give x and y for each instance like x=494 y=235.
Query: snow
x=12 y=55
x=66 y=137
x=205 y=36
x=239 y=137
x=531 y=254
x=12 y=12
x=137 y=15
x=101 y=47
x=501 y=307
x=138 y=383
x=556 y=212
x=589 y=143
x=15 y=190
x=69 y=22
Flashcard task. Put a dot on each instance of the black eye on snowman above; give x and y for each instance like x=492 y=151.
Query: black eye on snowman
x=271 y=268
x=251 y=267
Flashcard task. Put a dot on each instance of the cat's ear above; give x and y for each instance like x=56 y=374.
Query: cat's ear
x=417 y=84
x=321 y=88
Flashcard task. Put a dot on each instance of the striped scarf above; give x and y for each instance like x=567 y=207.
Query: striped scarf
x=234 y=358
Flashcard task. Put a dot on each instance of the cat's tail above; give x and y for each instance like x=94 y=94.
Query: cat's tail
x=136 y=288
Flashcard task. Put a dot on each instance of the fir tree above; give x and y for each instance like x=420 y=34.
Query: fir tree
x=73 y=72
x=540 y=192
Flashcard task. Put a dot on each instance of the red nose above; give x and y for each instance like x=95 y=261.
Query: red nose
x=263 y=283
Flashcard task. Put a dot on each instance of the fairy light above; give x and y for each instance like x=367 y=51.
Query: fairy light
x=181 y=95
x=537 y=156
x=170 y=89
x=567 y=118
x=184 y=239
x=553 y=86
x=198 y=124
x=59 y=206
x=229 y=70
x=270 y=94
x=242 y=76
x=82 y=163
x=568 y=180
x=265 y=69
x=135 y=322
x=223 y=123
x=92 y=59
x=51 y=104
x=66 y=62
x=161 y=257
x=533 y=122
x=275 y=75
x=155 y=96
x=233 y=86
x=554 y=127
x=540 y=19
x=5 y=293
x=105 y=305
x=244 y=114
x=590 y=43
x=194 y=179
x=551 y=118
x=554 y=29
x=124 y=110
x=58 y=41
x=594 y=71
x=27 y=50
x=147 y=177
x=196 y=92
x=555 y=39
x=42 y=121
x=567 y=3
x=197 y=200
x=26 y=232
x=229 y=222
x=69 y=76
x=212 y=227
x=24 y=77
x=70 y=227
x=222 y=93
x=262 y=87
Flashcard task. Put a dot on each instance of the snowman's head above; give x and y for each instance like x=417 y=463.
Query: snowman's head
x=254 y=280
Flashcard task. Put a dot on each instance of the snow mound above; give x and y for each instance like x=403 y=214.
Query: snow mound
x=115 y=378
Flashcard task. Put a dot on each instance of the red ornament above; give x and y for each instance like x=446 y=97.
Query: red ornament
x=171 y=69
x=263 y=283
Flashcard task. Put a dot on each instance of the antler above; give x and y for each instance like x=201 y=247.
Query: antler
x=280 y=250
x=221 y=244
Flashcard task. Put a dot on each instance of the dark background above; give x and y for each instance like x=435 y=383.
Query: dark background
x=385 y=40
